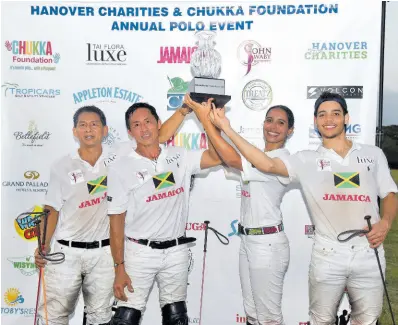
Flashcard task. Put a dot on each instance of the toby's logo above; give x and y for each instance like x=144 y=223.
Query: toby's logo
x=13 y=297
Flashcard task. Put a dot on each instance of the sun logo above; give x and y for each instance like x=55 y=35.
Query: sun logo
x=13 y=297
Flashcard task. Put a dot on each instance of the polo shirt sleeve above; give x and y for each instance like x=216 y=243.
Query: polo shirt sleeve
x=384 y=180
x=54 y=192
x=118 y=189
x=295 y=164
x=193 y=159
x=251 y=173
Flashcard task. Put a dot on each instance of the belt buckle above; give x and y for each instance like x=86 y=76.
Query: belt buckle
x=94 y=244
x=255 y=231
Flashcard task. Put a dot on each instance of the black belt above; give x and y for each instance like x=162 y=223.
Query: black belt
x=260 y=230
x=91 y=245
x=163 y=244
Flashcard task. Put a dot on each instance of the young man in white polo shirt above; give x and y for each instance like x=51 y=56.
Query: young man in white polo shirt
x=76 y=199
x=341 y=182
x=148 y=198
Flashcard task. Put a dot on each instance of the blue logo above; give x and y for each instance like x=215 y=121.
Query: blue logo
x=234 y=228
x=13 y=90
x=175 y=95
x=106 y=94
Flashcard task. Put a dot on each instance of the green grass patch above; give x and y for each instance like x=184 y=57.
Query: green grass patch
x=391 y=249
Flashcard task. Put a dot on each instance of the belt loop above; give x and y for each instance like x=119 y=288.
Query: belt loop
x=148 y=242
x=177 y=241
x=100 y=244
x=70 y=243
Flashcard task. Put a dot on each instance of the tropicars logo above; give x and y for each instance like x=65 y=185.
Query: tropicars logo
x=8 y=86
x=13 y=90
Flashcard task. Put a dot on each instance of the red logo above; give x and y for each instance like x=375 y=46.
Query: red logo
x=309 y=230
x=240 y=319
x=245 y=193
x=92 y=202
x=165 y=195
x=346 y=197
x=176 y=54
x=195 y=226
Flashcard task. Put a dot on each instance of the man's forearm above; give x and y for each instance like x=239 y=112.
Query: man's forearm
x=390 y=208
x=117 y=222
x=170 y=126
x=52 y=220
x=225 y=151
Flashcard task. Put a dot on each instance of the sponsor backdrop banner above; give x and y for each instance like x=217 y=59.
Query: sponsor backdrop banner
x=59 y=57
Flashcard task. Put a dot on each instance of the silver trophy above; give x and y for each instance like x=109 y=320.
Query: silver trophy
x=206 y=68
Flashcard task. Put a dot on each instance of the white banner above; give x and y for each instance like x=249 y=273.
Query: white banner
x=57 y=57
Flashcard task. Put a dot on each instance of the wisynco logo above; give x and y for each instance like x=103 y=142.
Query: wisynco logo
x=350 y=92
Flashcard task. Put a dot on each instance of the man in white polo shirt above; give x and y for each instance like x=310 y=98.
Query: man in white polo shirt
x=148 y=205
x=341 y=182
x=76 y=199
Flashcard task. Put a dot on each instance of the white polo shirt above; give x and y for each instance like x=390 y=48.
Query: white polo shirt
x=154 y=194
x=261 y=194
x=78 y=191
x=340 y=192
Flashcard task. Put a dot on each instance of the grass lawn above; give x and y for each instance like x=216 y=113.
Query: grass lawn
x=391 y=249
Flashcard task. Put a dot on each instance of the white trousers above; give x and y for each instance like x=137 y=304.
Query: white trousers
x=263 y=262
x=89 y=270
x=335 y=266
x=144 y=265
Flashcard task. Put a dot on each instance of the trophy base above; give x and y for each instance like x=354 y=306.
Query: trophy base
x=219 y=100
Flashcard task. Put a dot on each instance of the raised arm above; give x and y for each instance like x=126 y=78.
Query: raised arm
x=171 y=125
x=255 y=156
x=225 y=151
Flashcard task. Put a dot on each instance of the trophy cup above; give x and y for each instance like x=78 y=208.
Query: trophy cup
x=206 y=67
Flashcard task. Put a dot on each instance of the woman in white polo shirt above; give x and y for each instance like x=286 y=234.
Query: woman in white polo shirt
x=264 y=251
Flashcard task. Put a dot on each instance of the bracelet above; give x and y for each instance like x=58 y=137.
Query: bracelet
x=182 y=112
x=117 y=264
